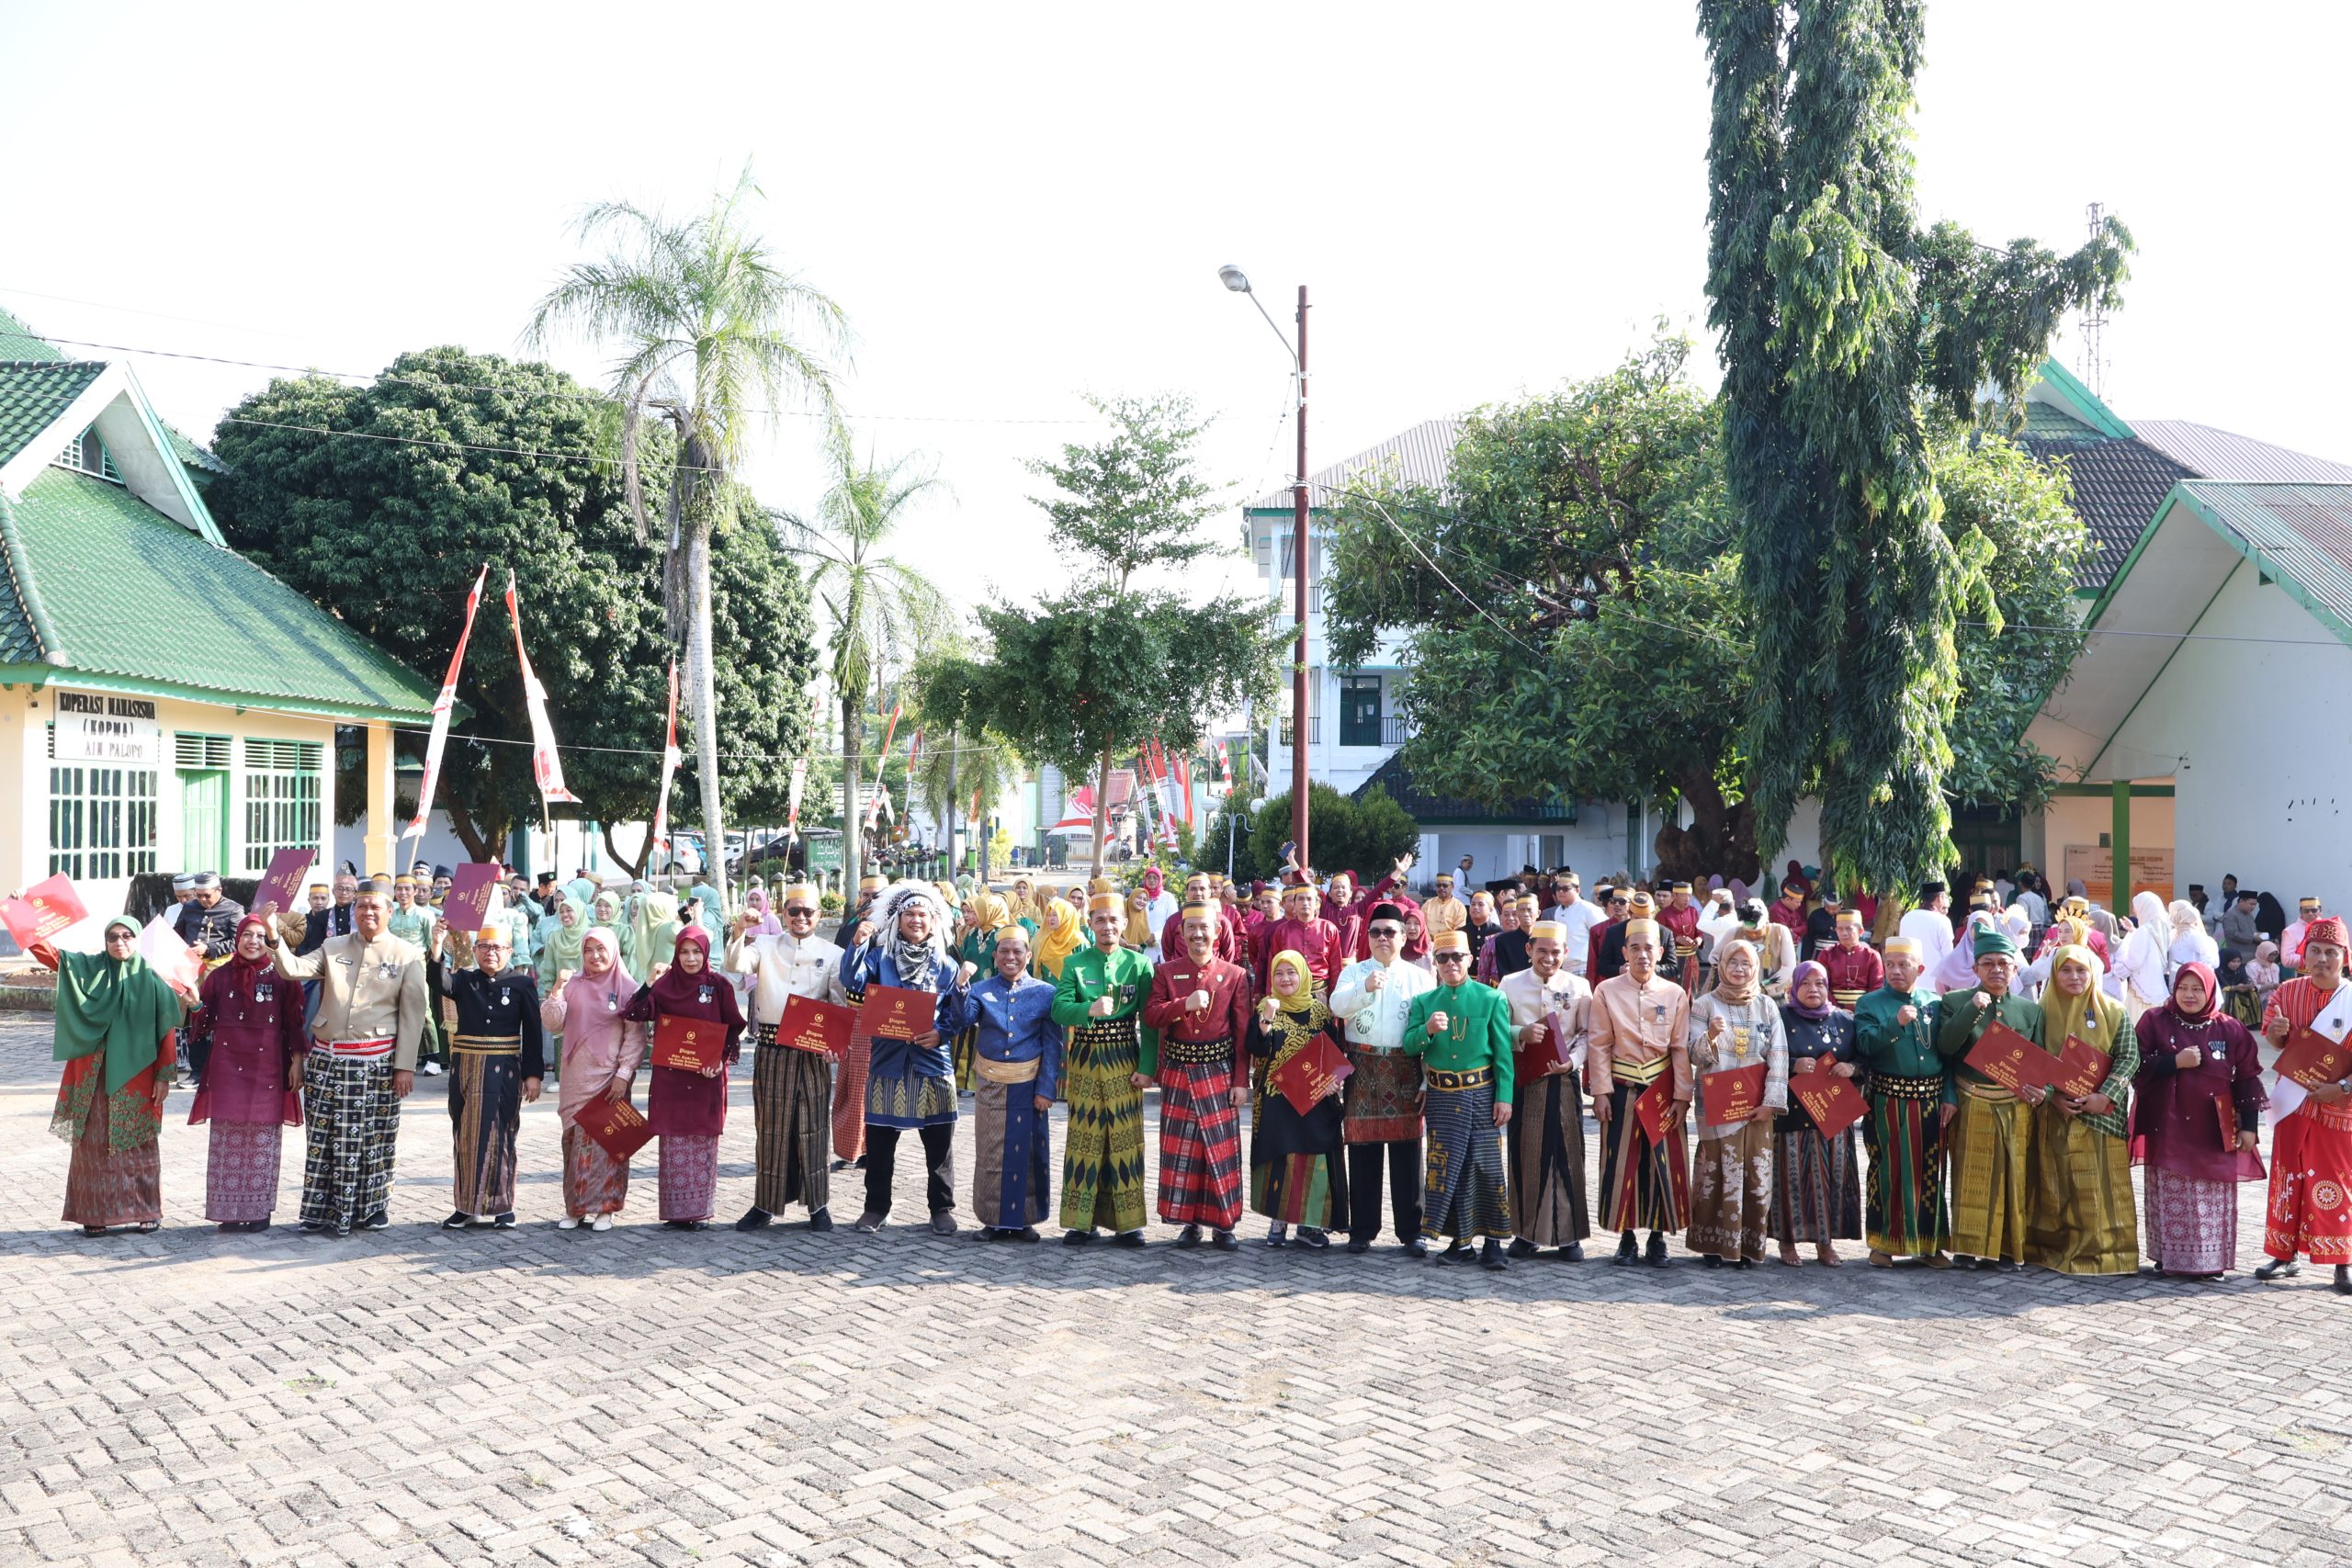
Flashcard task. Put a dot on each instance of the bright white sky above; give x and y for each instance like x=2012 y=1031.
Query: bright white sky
x=1017 y=204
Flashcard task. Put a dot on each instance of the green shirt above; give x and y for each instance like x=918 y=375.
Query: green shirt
x=413 y=924
x=1959 y=1022
x=1123 y=975
x=1478 y=1033
x=1900 y=1050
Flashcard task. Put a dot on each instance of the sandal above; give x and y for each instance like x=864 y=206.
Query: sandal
x=1789 y=1258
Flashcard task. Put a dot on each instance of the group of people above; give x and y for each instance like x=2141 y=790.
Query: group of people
x=1440 y=1051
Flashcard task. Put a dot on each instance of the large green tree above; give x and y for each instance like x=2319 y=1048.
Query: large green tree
x=1368 y=835
x=1089 y=674
x=1846 y=332
x=381 y=502
x=715 y=336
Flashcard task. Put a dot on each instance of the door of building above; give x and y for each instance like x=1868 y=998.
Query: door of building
x=204 y=819
x=1359 y=710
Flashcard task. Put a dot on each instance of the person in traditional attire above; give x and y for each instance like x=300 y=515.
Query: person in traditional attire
x=1992 y=1137
x=1442 y=911
x=1909 y=1090
x=984 y=914
x=1733 y=1027
x=792 y=1089
x=1196 y=1034
x=1381 y=1105
x=763 y=913
x=415 y=921
x=1295 y=1178
x=364 y=1034
x=1158 y=903
x=1636 y=1032
x=606 y=912
x=1816 y=1181
x=208 y=923
x=654 y=935
x=1228 y=941
x=1547 y=1130
x=1017 y=1068
x=910 y=1084
x=1511 y=947
x=1100 y=998
x=1461 y=1031
x=687 y=1107
x=1854 y=968
x=589 y=1012
x=252 y=1088
x=1680 y=920
x=500 y=1058
x=117 y=1026
x=2310 y=1211
x=2200 y=1099
x=1487 y=938
x=2082 y=1219
x=1303 y=931
x=1607 y=934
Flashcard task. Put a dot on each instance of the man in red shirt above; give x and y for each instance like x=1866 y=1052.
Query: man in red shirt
x=1303 y=932
x=1199 y=1009
x=1681 y=920
x=1855 y=971
x=1227 y=938
x=1788 y=909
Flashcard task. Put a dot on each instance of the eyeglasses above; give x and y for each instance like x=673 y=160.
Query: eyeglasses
x=1384 y=929
x=1454 y=958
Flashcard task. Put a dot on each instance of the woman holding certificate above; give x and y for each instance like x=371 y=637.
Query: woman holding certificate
x=2081 y=1219
x=697 y=1035
x=1739 y=1057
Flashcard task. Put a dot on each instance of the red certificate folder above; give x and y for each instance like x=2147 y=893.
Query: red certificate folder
x=811 y=1025
x=615 y=1124
x=1833 y=1103
x=48 y=907
x=2082 y=1068
x=466 y=905
x=1654 y=1104
x=1310 y=1076
x=689 y=1045
x=894 y=1012
x=2010 y=1059
x=2312 y=1059
x=1735 y=1094
x=1530 y=1063
x=282 y=884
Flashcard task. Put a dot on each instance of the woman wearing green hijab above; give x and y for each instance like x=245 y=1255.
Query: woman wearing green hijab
x=710 y=914
x=654 y=935
x=559 y=935
x=116 y=1020
x=608 y=907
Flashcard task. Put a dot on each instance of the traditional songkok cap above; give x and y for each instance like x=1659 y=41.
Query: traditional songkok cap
x=204 y=879
x=1384 y=911
x=1904 y=945
x=375 y=885
x=318 y=887
x=1643 y=905
x=496 y=935
x=183 y=882
x=1993 y=938
x=1445 y=879
x=2307 y=903
x=1013 y=931
x=1679 y=888
x=869 y=885
x=1849 y=913
x=808 y=890
x=403 y=881
x=1547 y=931
x=2328 y=932
x=1205 y=911
x=1098 y=902
x=1638 y=928
x=1450 y=941
x=1795 y=884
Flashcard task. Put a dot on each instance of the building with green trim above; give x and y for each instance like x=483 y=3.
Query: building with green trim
x=165 y=702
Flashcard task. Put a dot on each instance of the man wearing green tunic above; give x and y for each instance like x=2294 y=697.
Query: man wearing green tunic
x=1911 y=1103
x=1461 y=1031
x=1100 y=998
x=1992 y=1138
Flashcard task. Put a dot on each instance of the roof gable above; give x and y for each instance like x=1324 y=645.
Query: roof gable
x=35 y=395
x=1421 y=455
x=108 y=399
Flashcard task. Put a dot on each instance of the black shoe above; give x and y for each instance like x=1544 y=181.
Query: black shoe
x=1026 y=1233
x=1127 y=1239
x=1224 y=1241
x=1655 y=1253
x=1458 y=1252
x=861 y=1162
x=1572 y=1253
x=1491 y=1256
x=1189 y=1237
x=316 y=1228
x=2278 y=1268
x=2343 y=1285
x=1521 y=1247
x=841 y=1165
x=1358 y=1247
x=1415 y=1249
x=457 y=1221
x=1709 y=1260
x=1078 y=1238
x=687 y=1224
x=1744 y=1263
x=1628 y=1249
x=819 y=1220
x=378 y=1221
x=754 y=1220
x=1309 y=1236
x=504 y=1221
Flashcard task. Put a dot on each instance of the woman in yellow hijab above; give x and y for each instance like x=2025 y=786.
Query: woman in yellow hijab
x=1294 y=1159
x=2081 y=1218
x=1058 y=936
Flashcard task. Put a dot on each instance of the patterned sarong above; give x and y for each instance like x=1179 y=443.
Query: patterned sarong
x=1200 y=1146
x=241 y=1171
x=849 y=1092
x=1816 y=1184
x=1382 y=1099
x=1011 y=1142
x=1731 y=1192
x=485 y=1116
x=2081 y=1218
x=2192 y=1223
x=689 y=1171
x=106 y=1186
x=594 y=1181
x=351 y=1120
x=2310 y=1184
x=792 y=1093
x=1461 y=1192
x=1903 y=1211
x=1992 y=1171
x=1547 y=1138
x=1102 y=1166
x=1643 y=1186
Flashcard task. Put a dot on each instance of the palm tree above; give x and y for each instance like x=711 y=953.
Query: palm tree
x=709 y=326
x=879 y=611
x=957 y=765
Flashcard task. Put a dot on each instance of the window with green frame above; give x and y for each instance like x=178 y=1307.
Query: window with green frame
x=101 y=822
x=282 y=796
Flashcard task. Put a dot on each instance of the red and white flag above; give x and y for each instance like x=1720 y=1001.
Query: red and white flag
x=441 y=707
x=792 y=805
x=547 y=767
x=1079 y=809
x=880 y=800
x=671 y=760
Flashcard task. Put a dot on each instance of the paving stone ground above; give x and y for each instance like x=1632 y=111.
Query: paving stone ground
x=648 y=1396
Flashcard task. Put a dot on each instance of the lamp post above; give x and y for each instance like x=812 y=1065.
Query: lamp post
x=1237 y=280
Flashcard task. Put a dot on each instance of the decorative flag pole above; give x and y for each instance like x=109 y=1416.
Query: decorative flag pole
x=671 y=760
x=547 y=767
x=792 y=807
x=442 y=706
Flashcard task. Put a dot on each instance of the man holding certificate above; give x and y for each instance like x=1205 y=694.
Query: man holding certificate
x=792 y=1087
x=1637 y=1060
x=1548 y=1017
x=906 y=987
x=2311 y=1153
x=1017 y=1075
x=1197 y=1027
x=1101 y=996
x=1461 y=1031
x=1911 y=1103
x=1992 y=1138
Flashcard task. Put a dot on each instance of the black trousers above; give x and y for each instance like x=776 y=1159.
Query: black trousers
x=1403 y=1157
x=882 y=1154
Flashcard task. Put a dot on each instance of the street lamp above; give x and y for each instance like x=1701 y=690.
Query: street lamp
x=1235 y=279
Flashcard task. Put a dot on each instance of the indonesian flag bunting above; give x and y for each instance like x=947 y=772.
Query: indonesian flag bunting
x=1079 y=812
x=671 y=760
x=792 y=805
x=1184 y=788
x=1225 y=766
x=547 y=767
x=442 y=706
x=880 y=797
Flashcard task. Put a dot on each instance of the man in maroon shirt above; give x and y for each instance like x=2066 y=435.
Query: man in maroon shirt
x=1228 y=939
x=1200 y=1008
x=1303 y=932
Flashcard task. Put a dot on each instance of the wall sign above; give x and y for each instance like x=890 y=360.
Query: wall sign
x=92 y=727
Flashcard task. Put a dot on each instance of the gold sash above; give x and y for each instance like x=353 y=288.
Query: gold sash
x=1005 y=1072
x=1640 y=1074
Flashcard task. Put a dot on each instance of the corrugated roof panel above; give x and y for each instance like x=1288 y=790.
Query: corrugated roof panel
x=2302 y=531
x=2222 y=454
x=1421 y=455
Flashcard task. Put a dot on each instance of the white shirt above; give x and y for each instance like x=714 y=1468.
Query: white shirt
x=783 y=966
x=2037 y=908
x=1579 y=917
x=1375 y=1020
x=2140 y=964
x=1568 y=995
x=1932 y=930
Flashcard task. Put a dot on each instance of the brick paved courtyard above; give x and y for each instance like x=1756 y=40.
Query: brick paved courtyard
x=648 y=1396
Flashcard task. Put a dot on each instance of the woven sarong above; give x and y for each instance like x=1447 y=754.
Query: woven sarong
x=1547 y=1138
x=1200 y=1146
x=594 y=1181
x=1731 y=1192
x=1903 y=1210
x=689 y=1171
x=2081 y=1218
x=1816 y=1185
x=351 y=1120
x=1643 y=1186
x=2310 y=1184
x=1103 y=1165
x=2192 y=1223
x=1381 y=1099
x=1461 y=1191
x=792 y=1093
x=241 y=1171
x=849 y=1091
x=106 y=1186
x=485 y=1116
x=1012 y=1142
x=1992 y=1173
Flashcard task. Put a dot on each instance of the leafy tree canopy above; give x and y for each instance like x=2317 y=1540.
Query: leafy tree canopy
x=1365 y=836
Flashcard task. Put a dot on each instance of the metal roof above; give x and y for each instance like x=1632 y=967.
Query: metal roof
x=2221 y=454
x=2299 y=534
x=1421 y=455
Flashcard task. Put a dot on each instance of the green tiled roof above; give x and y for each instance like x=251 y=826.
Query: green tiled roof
x=128 y=592
x=190 y=455
x=18 y=342
x=33 y=392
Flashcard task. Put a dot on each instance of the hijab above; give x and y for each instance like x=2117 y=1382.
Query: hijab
x=756 y=901
x=1302 y=999
x=711 y=913
x=268 y=960
x=1138 y=934
x=118 y=1006
x=1809 y=969
x=677 y=988
x=1725 y=991
x=988 y=911
x=2095 y=1017
x=1057 y=938
x=583 y=889
x=559 y=943
x=652 y=932
x=2212 y=995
